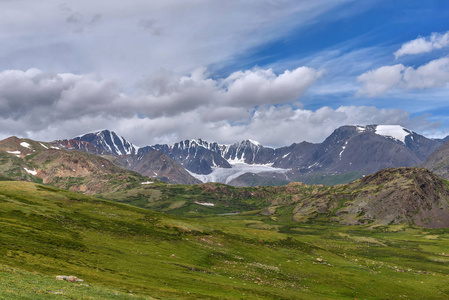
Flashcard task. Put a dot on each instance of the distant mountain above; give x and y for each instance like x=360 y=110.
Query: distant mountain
x=105 y=142
x=347 y=154
x=197 y=156
x=369 y=149
x=147 y=161
x=438 y=161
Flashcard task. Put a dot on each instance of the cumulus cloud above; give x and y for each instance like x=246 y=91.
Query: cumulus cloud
x=252 y=104
x=169 y=95
x=434 y=74
x=41 y=100
x=423 y=45
x=259 y=87
x=49 y=97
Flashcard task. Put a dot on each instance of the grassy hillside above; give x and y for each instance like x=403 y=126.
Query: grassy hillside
x=187 y=200
x=119 y=248
x=18 y=284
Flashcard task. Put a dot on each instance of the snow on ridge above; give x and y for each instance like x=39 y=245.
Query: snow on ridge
x=254 y=142
x=396 y=132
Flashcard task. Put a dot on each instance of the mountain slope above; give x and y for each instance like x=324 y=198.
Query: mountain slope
x=197 y=156
x=393 y=196
x=24 y=159
x=156 y=164
x=438 y=161
x=108 y=142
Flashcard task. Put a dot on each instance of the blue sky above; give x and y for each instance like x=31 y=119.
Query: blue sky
x=378 y=28
x=276 y=71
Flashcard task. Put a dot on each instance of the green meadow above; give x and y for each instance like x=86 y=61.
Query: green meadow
x=122 y=251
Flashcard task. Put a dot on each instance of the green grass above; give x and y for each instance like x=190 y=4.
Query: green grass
x=19 y=284
x=118 y=248
x=330 y=179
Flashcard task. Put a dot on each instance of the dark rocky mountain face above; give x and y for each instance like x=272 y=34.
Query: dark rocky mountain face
x=438 y=161
x=109 y=143
x=155 y=164
x=197 y=156
x=249 y=152
x=356 y=148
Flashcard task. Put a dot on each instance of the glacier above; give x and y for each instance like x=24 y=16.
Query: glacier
x=226 y=175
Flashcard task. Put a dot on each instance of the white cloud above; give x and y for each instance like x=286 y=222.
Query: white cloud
x=259 y=87
x=434 y=74
x=381 y=80
x=423 y=45
x=431 y=75
x=252 y=104
x=42 y=100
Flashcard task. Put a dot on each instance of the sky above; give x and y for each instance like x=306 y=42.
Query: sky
x=275 y=71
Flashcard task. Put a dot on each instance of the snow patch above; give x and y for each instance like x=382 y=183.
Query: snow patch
x=311 y=166
x=360 y=129
x=25 y=144
x=32 y=172
x=205 y=203
x=53 y=147
x=343 y=149
x=14 y=152
x=43 y=146
x=284 y=156
x=147 y=182
x=396 y=132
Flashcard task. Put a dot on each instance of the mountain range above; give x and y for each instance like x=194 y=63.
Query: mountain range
x=350 y=152
x=261 y=242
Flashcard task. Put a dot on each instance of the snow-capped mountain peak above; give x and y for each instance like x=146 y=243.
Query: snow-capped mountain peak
x=109 y=141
